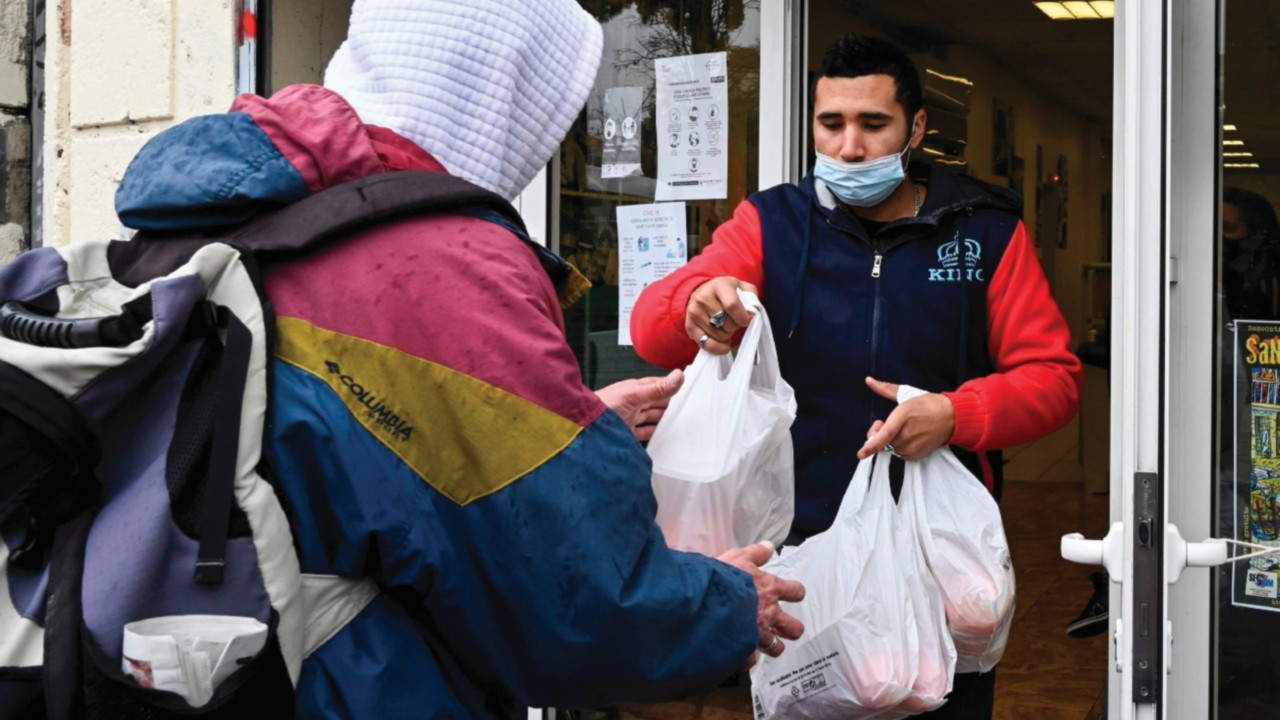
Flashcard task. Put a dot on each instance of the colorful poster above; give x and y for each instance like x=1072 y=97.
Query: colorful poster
x=651 y=243
x=1257 y=476
x=622 y=115
x=693 y=132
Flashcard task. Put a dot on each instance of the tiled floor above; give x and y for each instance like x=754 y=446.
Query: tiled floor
x=1045 y=675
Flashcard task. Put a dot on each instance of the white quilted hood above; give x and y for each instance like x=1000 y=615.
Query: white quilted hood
x=488 y=87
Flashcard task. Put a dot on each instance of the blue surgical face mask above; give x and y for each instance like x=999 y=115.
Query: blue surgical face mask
x=862 y=184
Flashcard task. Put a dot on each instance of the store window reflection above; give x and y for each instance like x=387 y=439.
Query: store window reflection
x=611 y=156
x=1248 y=305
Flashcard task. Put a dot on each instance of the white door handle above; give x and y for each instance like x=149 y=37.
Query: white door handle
x=1107 y=552
x=1179 y=553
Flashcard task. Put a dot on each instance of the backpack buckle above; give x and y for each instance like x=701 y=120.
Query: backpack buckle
x=210 y=571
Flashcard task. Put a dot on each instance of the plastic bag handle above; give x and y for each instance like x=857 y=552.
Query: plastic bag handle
x=762 y=363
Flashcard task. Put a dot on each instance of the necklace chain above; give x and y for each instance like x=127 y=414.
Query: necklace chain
x=916 y=187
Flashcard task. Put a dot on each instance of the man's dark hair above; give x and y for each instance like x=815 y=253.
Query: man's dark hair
x=1255 y=212
x=856 y=55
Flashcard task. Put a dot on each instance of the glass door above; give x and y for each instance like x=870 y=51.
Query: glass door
x=621 y=153
x=1246 y=341
x=1222 y=332
x=1197 y=332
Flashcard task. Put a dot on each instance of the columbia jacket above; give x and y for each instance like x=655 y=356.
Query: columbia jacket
x=428 y=429
x=952 y=301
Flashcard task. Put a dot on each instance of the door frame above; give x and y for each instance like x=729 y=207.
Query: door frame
x=1165 y=178
x=1195 y=122
x=1138 y=314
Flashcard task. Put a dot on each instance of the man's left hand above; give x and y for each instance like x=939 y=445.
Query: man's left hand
x=642 y=401
x=914 y=429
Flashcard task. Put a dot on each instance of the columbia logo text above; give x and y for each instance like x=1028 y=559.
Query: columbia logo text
x=379 y=412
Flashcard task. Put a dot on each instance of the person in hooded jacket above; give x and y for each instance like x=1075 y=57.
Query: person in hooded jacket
x=504 y=509
x=872 y=280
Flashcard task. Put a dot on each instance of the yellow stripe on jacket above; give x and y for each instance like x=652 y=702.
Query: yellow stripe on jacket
x=464 y=437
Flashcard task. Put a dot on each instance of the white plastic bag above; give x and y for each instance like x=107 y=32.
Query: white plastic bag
x=968 y=555
x=859 y=656
x=936 y=671
x=723 y=470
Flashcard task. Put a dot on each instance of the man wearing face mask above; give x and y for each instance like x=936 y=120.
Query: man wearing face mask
x=871 y=280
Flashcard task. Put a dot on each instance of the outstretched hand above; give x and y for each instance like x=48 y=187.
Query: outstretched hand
x=641 y=402
x=717 y=297
x=772 y=622
x=914 y=429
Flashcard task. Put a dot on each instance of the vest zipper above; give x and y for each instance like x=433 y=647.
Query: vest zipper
x=875 y=315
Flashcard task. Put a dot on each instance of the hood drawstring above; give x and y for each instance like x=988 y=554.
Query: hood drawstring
x=804 y=262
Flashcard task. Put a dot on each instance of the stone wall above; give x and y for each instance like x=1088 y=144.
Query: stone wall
x=15 y=128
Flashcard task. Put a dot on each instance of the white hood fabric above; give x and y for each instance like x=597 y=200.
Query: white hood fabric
x=488 y=87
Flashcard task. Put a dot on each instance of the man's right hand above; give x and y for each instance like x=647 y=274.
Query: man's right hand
x=772 y=622
x=713 y=296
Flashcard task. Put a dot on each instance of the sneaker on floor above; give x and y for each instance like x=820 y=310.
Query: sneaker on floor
x=1093 y=618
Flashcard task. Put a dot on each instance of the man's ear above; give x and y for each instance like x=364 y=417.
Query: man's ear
x=917 y=134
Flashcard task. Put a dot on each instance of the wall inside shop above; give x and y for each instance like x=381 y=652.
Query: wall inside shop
x=304 y=36
x=1039 y=120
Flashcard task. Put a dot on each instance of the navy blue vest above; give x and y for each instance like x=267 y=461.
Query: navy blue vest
x=919 y=318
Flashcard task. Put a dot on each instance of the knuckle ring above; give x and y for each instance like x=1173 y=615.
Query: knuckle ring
x=702 y=341
x=772 y=644
x=717 y=320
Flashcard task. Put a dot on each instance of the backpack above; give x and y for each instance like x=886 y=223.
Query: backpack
x=133 y=398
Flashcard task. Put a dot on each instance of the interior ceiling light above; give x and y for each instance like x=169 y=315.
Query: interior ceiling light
x=1229 y=128
x=1232 y=142
x=952 y=78
x=1079 y=9
x=1241 y=165
x=1237 y=154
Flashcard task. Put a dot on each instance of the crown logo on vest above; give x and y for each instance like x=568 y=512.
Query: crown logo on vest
x=954 y=267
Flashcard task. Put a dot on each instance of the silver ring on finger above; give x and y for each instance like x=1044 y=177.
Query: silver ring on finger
x=717 y=320
x=772 y=644
x=702 y=341
x=889 y=449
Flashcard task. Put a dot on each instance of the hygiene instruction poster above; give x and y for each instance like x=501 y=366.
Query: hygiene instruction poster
x=651 y=243
x=693 y=128
x=621 y=150
x=1257 y=464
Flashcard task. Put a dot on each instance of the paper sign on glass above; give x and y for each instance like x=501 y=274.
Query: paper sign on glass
x=622 y=116
x=693 y=132
x=651 y=243
x=1257 y=452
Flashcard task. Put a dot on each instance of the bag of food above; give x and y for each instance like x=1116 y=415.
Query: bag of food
x=962 y=536
x=860 y=655
x=936 y=672
x=723 y=470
